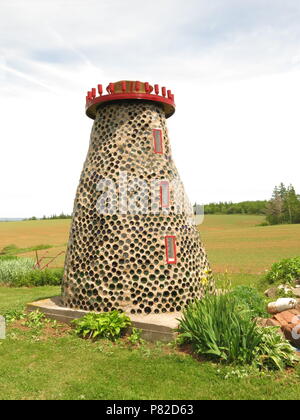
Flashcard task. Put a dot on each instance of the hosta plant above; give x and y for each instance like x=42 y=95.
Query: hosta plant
x=274 y=351
x=14 y=315
x=34 y=319
x=109 y=325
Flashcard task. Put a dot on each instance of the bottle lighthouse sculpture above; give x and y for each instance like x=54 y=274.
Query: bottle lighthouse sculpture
x=133 y=242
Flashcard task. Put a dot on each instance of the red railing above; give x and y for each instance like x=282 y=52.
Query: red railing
x=130 y=88
x=52 y=258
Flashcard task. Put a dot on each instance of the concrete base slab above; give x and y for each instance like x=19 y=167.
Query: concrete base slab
x=155 y=327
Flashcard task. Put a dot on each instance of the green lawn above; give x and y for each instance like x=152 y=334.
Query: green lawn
x=16 y=298
x=42 y=366
x=71 y=368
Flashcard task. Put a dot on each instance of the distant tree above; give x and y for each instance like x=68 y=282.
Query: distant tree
x=292 y=205
x=284 y=206
x=31 y=218
x=274 y=209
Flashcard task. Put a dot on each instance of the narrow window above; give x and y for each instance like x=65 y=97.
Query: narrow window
x=157 y=141
x=164 y=194
x=170 y=249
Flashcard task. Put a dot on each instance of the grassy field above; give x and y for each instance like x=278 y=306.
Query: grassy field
x=16 y=298
x=234 y=243
x=52 y=363
x=31 y=233
x=37 y=364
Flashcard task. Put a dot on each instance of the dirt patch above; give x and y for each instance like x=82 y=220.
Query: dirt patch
x=49 y=331
x=46 y=331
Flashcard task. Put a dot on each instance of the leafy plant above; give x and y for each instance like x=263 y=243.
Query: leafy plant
x=135 y=337
x=283 y=293
x=207 y=280
x=107 y=325
x=273 y=351
x=217 y=327
x=250 y=298
x=284 y=271
x=34 y=319
x=14 y=315
x=237 y=372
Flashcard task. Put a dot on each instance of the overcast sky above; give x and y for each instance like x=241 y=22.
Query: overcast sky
x=234 y=66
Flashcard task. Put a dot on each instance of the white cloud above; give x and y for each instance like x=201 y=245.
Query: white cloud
x=234 y=68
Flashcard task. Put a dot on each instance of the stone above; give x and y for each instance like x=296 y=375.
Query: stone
x=289 y=321
x=287 y=316
x=290 y=336
x=2 y=328
x=296 y=291
x=281 y=304
x=272 y=323
x=280 y=318
x=271 y=293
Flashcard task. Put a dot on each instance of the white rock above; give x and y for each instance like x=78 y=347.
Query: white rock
x=281 y=304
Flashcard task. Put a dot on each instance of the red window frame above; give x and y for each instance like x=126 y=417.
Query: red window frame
x=171 y=260
x=164 y=206
x=154 y=131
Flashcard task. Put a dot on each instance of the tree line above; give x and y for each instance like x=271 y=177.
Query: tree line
x=283 y=207
x=244 y=207
x=52 y=217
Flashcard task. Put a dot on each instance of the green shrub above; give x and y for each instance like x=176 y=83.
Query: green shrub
x=107 y=325
x=46 y=277
x=282 y=293
x=284 y=271
x=19 y=272
x=263 y=224
x=12 y=269
x=250 y=298
x=218 y=328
